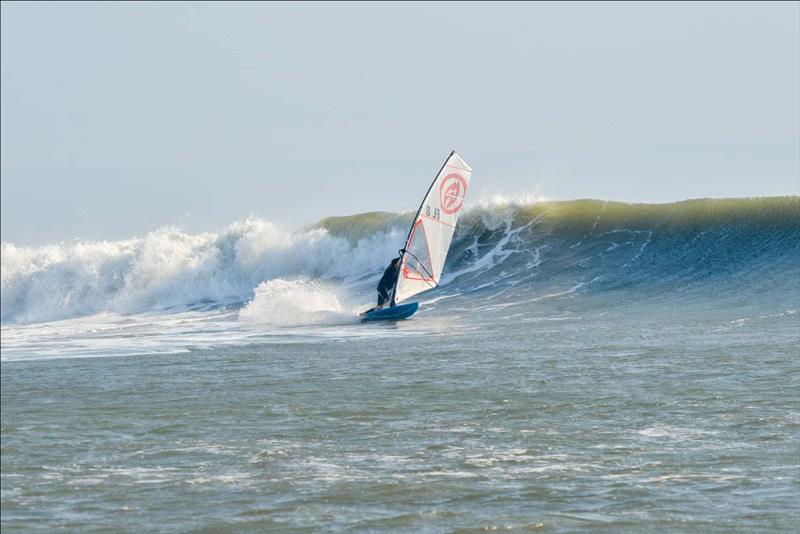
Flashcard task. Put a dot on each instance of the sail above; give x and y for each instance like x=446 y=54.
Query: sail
x=432 y=229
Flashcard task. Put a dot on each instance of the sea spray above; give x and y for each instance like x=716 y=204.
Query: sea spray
x=295 y=301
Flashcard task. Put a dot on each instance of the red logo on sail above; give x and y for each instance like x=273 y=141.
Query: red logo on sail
x=451 y=193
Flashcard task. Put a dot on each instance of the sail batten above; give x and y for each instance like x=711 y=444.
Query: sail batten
x=432 y=229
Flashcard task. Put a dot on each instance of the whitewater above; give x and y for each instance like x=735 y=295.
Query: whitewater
x=583 y=364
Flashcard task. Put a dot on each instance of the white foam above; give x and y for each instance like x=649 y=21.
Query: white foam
x=497 y=255
x=298 y=301
x=169 y=269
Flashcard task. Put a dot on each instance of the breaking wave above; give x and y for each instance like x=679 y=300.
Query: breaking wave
x=321 y=272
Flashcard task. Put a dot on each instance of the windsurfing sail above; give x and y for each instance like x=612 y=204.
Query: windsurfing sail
x=432 y=230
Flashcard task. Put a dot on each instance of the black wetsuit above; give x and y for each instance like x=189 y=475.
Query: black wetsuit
x=385 y=286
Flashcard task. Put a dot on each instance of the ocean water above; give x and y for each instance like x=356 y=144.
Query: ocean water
x=584 y=365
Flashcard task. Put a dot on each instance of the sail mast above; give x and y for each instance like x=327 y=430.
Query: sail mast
x=425 y=251
x=416 y=216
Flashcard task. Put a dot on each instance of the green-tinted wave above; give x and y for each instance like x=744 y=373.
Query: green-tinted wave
x=613 y=245
x=597 y=216
x=687 y=215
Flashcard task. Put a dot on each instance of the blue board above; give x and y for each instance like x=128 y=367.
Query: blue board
x=392 y=313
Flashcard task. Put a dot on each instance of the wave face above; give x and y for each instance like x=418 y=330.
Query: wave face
x=692 y=249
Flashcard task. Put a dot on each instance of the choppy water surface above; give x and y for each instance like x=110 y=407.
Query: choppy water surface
x=637 y=373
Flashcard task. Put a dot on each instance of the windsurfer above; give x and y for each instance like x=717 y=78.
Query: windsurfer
x=386 y=285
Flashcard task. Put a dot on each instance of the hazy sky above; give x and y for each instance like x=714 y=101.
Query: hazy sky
x=118 y=118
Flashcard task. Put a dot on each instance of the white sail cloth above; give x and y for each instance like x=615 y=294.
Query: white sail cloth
x=432 y=229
